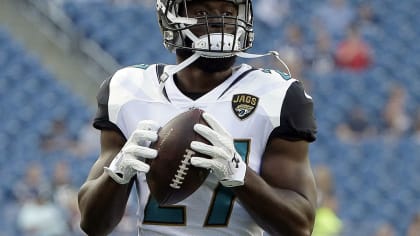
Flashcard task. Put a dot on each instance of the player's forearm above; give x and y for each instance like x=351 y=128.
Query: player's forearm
x=102 y=204
x=278 y=211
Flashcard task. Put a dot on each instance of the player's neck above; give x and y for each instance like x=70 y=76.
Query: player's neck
x=192 y=79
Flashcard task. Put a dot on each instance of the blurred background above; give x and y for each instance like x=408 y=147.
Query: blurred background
x=358 y=59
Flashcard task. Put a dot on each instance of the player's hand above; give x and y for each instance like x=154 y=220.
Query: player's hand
x=129 y=160
x=226 y=163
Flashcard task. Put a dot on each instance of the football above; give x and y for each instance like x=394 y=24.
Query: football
x=171 y=177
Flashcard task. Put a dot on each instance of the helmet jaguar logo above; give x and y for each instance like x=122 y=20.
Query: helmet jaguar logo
x=244 y=105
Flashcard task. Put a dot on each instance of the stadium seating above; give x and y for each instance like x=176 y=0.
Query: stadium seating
x=31 y=99
x=376 y=179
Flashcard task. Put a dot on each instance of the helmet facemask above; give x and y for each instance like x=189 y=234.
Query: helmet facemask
x=235 y=33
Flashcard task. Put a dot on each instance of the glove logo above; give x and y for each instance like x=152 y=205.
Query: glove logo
x=244 y=105
x=236 y=160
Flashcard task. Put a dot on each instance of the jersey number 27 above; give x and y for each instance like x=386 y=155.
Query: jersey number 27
x=218 y=213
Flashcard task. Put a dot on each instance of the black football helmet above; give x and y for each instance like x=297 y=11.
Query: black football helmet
x=177 y=30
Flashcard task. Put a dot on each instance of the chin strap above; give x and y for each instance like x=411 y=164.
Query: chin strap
x=173 y=70
x=270 y=53
x=168 y=72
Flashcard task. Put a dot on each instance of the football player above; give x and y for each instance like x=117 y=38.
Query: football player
x=260 y=125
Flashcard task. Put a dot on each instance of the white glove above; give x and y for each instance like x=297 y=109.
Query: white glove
x=226 y=163
x=130 y=159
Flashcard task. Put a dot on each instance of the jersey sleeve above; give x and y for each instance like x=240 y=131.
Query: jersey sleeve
x=101 y=120
x=297 y=120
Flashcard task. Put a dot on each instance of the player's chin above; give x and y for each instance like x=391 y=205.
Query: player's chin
x=209 y=65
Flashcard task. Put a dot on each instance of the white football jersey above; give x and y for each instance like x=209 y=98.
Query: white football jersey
x=249 y=104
